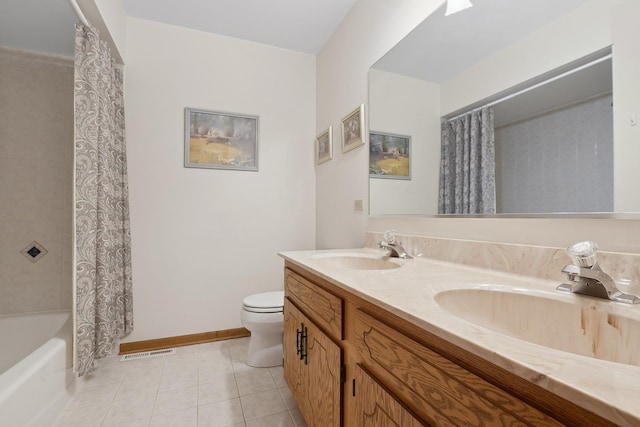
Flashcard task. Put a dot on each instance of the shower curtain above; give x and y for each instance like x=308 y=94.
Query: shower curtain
x=467 y=164
x=103 y=288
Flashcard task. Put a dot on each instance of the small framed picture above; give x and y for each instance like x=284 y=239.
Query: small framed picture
x=389 y=156
x=353 y=129
x=218 y=140
x=324 y=146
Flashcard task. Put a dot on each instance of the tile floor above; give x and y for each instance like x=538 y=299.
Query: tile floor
x=205 y=385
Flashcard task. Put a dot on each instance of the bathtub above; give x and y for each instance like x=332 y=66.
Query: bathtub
x=36 y=377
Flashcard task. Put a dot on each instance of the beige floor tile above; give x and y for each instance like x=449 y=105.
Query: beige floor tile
x=187 y=349
x=262 y=404
x=183 y=418
x=141 y=422
x=281 y=419
x=177 y=377
x=278 y=376
x=128 y=410
x=145 y=367
x=297 y=418
x=210 y=372
x=97 y=379
x=220 y=414
x=181 y=360
x=238 y=349
x=102 y=396
x=255 y=382
x=199 y=386
x=175 y=400
x=131 y=389
x=287 y=398
x=222 y=389
x=87 y=416
x=241 y=368
x=218 y=349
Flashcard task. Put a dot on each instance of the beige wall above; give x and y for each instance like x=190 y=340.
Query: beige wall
x=371 y=28
x=407 y=106
x=36 y=180
x=203 y=239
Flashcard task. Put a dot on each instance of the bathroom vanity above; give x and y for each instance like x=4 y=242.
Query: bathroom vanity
x=373 y=340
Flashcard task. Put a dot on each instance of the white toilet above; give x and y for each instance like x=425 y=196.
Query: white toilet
x=262 y=315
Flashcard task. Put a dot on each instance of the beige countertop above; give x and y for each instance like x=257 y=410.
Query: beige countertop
x=607 y=388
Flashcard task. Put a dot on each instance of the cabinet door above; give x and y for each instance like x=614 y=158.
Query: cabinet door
x=375 y=407
x=313 y=376
x=293 y=373
x=324 y=386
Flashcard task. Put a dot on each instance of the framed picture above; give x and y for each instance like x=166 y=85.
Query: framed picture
x=389 y=156
x=353 y=129
x=218 y=140
x=324 y=146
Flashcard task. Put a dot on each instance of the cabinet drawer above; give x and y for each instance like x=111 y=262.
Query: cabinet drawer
x=322 y=307
x=438 y=390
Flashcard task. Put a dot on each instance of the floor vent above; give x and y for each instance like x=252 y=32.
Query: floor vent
x=147 y=354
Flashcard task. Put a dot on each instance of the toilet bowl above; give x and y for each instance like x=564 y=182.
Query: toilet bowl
x=262 y=315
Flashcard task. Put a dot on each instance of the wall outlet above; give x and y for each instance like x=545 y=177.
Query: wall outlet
x=358 y=205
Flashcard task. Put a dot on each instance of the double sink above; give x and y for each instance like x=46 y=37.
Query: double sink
x=571 y=323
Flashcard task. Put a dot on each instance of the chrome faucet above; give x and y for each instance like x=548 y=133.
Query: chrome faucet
x=393 y=246
x=587 y=278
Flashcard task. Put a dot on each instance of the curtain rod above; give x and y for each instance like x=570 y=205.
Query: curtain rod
x=535 y=86
x=78 y=11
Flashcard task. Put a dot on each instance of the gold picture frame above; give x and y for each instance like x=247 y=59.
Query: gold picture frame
x=324 y=146
x=353 y=129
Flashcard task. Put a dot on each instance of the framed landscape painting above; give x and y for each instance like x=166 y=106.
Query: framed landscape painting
x=218 y=140
x=389 y=156
x=353 y=129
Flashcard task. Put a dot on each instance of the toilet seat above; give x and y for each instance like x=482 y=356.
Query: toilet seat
x=267 y=302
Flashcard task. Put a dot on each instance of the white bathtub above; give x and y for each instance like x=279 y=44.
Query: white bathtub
x=36 y=378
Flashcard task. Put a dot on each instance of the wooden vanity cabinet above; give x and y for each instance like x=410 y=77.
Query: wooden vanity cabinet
x=439 y=391
x=377 y=407
x=313 y=364
x=398 y=374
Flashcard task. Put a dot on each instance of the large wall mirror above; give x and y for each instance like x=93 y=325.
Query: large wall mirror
x=561 y=80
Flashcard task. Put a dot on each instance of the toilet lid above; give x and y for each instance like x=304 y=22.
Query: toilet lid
x=266 y=300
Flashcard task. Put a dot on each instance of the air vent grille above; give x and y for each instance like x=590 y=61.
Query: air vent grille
x=147 y=354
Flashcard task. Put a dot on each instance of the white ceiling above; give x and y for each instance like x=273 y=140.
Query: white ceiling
x=299 y=25
x=304 y=26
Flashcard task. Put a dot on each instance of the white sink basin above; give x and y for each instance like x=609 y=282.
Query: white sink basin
x=580 y=325
x=357 y=261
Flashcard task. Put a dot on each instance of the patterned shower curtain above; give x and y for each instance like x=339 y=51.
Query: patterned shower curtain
x=467 y=164
x=103 y=290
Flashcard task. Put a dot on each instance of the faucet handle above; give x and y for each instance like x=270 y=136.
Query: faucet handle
x=390 y=236
x=583 y=254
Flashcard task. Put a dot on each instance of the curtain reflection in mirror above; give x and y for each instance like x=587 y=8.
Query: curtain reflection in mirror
x=467 y=165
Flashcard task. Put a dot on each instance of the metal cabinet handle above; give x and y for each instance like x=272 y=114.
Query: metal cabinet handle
x=298 y=341
x=304 y=345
